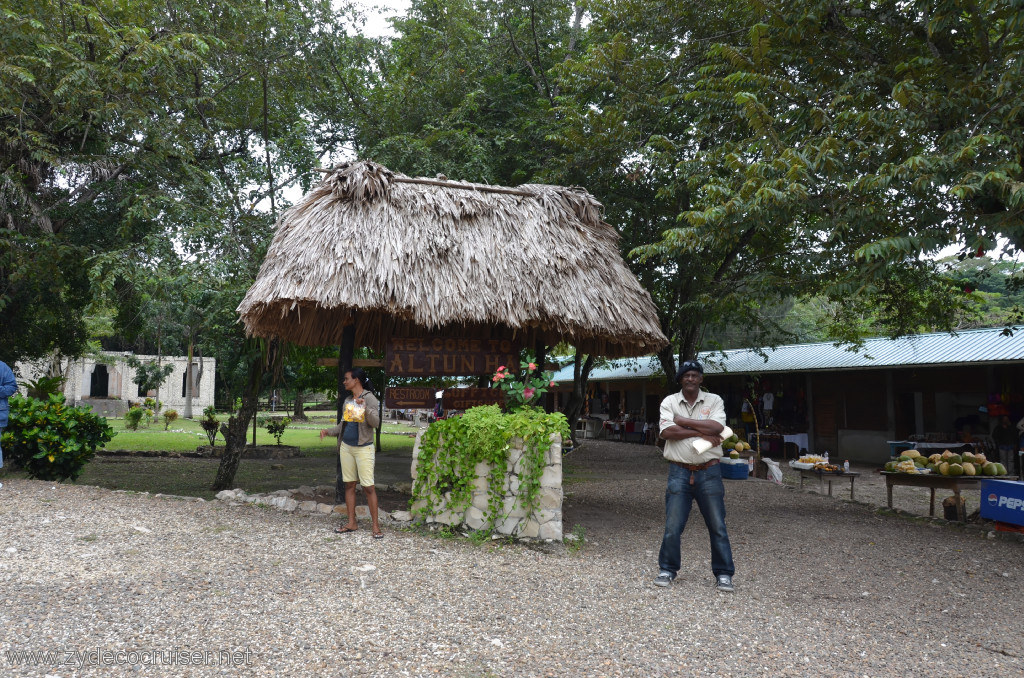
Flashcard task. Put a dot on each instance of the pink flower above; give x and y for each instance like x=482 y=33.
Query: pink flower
x=532 y=367
x=497 y=377
x=528 y=393
x=501 y=368
x=551 y=385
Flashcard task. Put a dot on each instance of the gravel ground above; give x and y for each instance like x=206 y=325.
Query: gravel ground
x=824 y=587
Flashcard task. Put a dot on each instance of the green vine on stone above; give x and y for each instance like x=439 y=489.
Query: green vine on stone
x=450 y=450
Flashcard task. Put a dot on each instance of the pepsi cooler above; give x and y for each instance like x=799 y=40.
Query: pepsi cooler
x=1003 y=500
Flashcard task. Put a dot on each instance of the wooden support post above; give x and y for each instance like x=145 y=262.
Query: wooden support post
x=345 y=352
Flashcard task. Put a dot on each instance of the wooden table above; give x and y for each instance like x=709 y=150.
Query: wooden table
x=822 y=476
x=933 y=481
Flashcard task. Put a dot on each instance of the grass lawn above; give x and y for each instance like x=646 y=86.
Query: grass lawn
x=193 y=476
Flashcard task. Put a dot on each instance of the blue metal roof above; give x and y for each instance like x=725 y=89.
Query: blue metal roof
x=986 y=346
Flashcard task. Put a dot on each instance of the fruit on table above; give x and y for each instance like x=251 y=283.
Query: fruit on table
x=891 y=467
x=935 y=458
x=956 y=469
x=969 y=469
x=911 y=453
x=734 y=455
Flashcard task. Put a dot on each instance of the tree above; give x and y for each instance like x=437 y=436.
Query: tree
x=630 y=134
x=132 y=130
x=882 y=131
x=755 y=152
x=464 y=90
x=150 y=375
x=262 y=357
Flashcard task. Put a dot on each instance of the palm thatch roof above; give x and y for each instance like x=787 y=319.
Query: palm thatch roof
x=410 y=257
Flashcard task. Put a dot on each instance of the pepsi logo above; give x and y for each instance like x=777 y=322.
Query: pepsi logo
x=993 y=499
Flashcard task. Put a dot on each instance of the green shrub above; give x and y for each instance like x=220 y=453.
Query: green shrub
x=43 y=387
x=133 y=417
x=451 y=448
x=275 y=426
x=169 y=417
x=210 y=423
x=50 y=440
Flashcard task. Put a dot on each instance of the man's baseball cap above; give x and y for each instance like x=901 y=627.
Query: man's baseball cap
x=689 y=366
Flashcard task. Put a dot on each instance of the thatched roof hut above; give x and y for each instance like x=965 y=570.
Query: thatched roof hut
x=426 y=258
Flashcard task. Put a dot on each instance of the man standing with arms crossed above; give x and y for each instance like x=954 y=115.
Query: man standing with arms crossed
x=687 y=418
x=8 y=387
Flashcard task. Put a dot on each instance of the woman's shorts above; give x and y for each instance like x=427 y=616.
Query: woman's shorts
x=357 y=464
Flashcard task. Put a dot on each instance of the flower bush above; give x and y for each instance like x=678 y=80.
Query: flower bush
x=275 y=426
x=523 y=390
x=50 y=440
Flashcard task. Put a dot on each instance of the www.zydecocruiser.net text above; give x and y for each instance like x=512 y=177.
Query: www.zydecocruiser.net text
x=145 y=657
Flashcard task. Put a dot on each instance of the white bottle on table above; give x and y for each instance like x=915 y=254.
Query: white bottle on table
x=826 y=456
x=846 y=466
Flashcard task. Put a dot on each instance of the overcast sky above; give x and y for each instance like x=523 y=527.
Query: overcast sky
x=378 y=12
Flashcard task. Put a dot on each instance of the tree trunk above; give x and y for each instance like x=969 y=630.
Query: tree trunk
x=580 y=375
x=667 y=358
x=298 y=413
x=237 y=427
x=188 y=382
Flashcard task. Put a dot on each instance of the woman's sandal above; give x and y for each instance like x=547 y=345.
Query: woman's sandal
x=378 y=535
x=344 y=530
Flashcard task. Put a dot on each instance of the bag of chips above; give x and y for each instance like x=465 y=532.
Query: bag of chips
x=353 y=411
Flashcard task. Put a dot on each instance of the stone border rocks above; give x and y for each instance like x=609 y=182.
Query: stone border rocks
x=302 y=500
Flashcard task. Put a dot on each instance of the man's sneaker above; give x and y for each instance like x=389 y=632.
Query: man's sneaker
x=724 y=583
x=664 y=579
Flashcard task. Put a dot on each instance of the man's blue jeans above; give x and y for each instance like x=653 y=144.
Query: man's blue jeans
x=709 y=491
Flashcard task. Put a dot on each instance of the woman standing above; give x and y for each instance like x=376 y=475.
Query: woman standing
x=356 y=449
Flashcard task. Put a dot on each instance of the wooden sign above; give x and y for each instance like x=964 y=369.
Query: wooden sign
x=448 y=357
x=400 y=398
x=465 y=398
x=358 y=362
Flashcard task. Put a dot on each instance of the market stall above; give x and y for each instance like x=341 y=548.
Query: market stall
x=948 y=470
